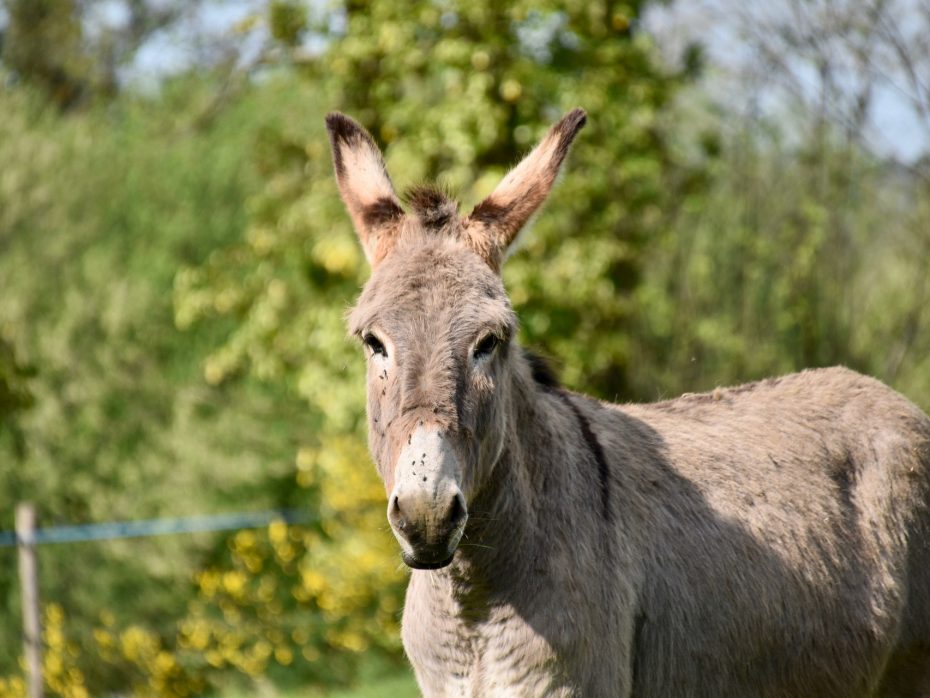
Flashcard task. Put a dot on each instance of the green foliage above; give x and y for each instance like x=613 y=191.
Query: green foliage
x=287 y=21
x=792 y=258
x=98 y=212
x=14 y=396
x=304 y=601
x=42 y=46
x=72 y=51
x=456 y=92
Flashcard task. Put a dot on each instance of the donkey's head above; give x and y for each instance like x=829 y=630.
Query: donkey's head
x=437 y=328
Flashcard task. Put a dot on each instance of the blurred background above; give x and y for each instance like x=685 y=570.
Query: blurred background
x=751 y=196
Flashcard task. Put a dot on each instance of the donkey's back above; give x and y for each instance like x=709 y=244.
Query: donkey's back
x=784 y=523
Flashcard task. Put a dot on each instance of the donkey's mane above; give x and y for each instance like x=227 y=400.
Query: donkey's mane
x=542 y=371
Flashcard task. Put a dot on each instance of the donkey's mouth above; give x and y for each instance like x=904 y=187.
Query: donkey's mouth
x=424 y=564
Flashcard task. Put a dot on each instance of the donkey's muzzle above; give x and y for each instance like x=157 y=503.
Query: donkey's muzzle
x=426 y=507
x=428 y=527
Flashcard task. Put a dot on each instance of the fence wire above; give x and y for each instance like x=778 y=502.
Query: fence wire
x=113 y=530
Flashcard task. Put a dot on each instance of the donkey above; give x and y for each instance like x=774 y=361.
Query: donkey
x=765 y=540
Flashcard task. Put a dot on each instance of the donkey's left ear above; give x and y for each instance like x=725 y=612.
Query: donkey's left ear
x=364 y=185
x=495 y=222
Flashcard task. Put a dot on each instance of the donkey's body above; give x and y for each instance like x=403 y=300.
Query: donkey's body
x=760 y=541
x=767 y=540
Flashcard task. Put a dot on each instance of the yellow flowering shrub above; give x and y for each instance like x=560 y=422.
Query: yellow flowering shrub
x=308 y=598
x=59 y=667
x=149 y=667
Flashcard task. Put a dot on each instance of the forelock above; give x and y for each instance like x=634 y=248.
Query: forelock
x=433 y=206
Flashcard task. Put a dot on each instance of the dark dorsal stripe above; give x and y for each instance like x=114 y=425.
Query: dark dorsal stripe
x=595 y=447
x=545 y=377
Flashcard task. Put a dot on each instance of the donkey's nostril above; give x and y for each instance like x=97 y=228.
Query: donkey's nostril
x=457 y=511
x=395 y=515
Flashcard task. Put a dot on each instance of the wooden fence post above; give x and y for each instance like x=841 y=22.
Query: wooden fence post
x=29 y=584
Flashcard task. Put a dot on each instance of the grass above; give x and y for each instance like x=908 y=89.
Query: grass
x=399 y=686
x=392 y=685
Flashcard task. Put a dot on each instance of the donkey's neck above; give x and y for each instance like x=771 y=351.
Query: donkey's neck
x=511 y=608
x=525 y=523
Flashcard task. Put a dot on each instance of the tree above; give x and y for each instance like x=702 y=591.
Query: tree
x=66 y=50
x=811 y=247
x=98 y=209
x=42 y=44
x=14 y=397
x=455 y=92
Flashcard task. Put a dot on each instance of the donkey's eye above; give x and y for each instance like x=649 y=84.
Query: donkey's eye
x=486 y=346
x=375 y=345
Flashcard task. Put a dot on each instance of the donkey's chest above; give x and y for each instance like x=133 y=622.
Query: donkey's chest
x=502 y=651
x=498 y=656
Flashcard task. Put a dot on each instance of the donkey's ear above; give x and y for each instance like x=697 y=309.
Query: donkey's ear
x=365 y=186
x=495 y=222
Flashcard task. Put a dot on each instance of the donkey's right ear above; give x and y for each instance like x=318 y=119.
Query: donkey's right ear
x=364 y=185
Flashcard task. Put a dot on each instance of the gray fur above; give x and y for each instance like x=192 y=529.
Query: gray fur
x=771 y=539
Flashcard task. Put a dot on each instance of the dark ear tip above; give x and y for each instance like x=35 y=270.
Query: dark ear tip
x=342 y=127
x=336 y=120
x=578 y=114
x=572 y=122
